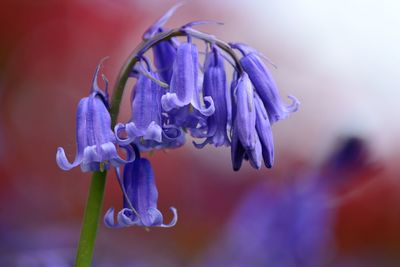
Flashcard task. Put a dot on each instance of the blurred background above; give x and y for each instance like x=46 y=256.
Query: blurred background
x=332 y=198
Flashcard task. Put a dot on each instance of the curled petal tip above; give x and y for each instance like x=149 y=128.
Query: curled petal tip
x=174 y=219
x=121 y=141
x=63 y=162
x=294 y=106
x=109 y=218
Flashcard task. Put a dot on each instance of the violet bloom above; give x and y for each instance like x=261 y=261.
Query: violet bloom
x=215 y=86
x=265 y=84
x=165 y=51
x=184 y=89
x=289 y=227
x=264 y=131
x=245 y=141
x=96 y=143
x=146 y=128
x=140 y=200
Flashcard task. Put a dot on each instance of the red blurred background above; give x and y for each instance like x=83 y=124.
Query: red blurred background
x=48 y=53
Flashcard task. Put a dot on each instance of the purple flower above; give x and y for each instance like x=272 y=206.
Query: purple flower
x=96 y=141
x=140 y=200
x=265 y=84
x=281 y=227
x=215 y=86
x=146 y=128
x=165 y=51
x=184 y=89
x=245 y=141
x=264 y=131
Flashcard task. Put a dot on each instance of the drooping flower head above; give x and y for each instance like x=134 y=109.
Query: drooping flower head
x=96 y=143
x=174 y=98
x=265 y=84
x=245 y=141
x=140 y=199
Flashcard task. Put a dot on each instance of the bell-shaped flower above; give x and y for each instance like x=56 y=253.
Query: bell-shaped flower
x=264 y=131
x=245 y=141
x=245 y=117
x=215 y=86
x=164 y=56
x=165 y=51
x=184 y=89
x=140 y=199
x=146 y=128
x=265 y=84
x=96 y=142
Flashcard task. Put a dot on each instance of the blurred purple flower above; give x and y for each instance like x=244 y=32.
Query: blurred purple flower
x=96 y=143
x=140 y=199
x=286 y=228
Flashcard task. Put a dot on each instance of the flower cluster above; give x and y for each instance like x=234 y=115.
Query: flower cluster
x=182 y=93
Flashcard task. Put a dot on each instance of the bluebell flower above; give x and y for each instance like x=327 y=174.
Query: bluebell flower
x=215 y=86
x=165 y=51
x=184 y=89
x=264 y=131
x=96 y=142
x=140 y=199
x=265 y=84
x=146 y=128
x=245 y=141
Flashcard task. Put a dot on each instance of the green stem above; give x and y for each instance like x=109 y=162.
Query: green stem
x=91 y=220
x=96 y=192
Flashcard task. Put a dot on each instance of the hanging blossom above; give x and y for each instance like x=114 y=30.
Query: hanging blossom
x=179 y=93
x=96 y=142
x=148 y=129
x=140 y=198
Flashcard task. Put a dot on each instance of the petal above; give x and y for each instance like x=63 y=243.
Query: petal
x=81 y=139
x=153 y=132
x=184 y=76
x=152 y=217
x=245 y=115
x=255 y=155
x=164 y=56
x=121 y=141
x=146 y=103
x=140 y=185
x=237 y=151
x=174 y=219
x=215 y=87
x=63 y=162
x=133 y=131
x=122 y=219
x=210 y=108
x=91 y=159
x=109 y=219
x=170 y=101
x=264 y=132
